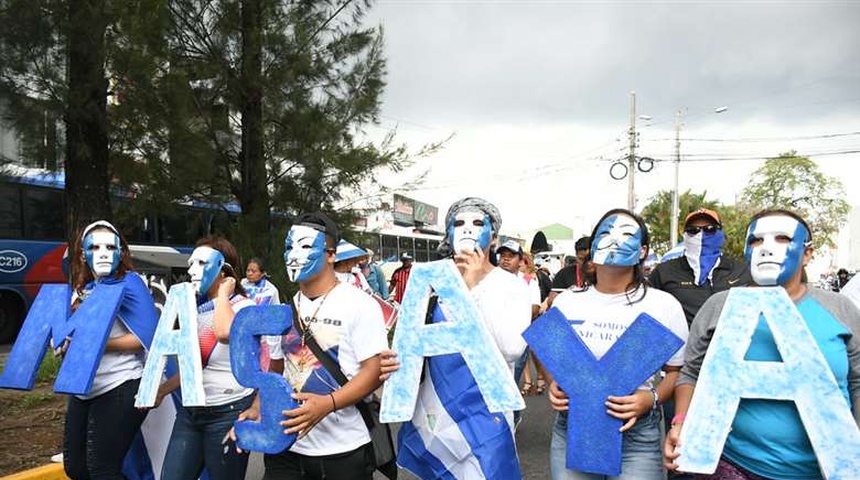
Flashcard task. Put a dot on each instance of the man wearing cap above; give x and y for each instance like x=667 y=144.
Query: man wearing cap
x=400 y=277
x=344 y=324
x=703 y=270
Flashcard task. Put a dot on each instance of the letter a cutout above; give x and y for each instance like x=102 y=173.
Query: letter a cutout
x=464 y=333
x=267 y=435
x=88 y=328
x=183 y=343
x=593 y=440
x=803 y=376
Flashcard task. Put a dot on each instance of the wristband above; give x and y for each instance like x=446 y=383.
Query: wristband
x=656 y=398
x=678 y=418
x=333 y=404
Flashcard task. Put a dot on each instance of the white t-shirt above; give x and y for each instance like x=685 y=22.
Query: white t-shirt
x=347 y=324
x=533 y=286
x=605 y=317
x=506 y=309
x=115 y=368
x=263 y=292
x=219 y=383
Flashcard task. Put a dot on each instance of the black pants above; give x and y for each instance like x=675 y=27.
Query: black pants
x=353 y=465
x=99 y=432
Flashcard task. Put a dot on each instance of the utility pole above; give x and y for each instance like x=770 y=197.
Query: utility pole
x=673 y=229
x=631 y=160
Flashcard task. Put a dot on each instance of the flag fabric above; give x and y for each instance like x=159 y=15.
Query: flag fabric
x=452 y=434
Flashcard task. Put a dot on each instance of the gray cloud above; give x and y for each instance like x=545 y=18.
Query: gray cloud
x=464 y=62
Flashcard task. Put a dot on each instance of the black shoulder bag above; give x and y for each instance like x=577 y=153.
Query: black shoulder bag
x=380 y=433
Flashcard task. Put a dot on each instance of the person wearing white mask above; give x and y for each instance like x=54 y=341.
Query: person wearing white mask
x=100 y=425
x=198 y=433
x=767 y=438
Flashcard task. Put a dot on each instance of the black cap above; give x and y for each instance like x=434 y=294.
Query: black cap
x=320 y=222
x=584 y=243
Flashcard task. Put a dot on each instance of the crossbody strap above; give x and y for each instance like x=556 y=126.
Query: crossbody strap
x=332 y=368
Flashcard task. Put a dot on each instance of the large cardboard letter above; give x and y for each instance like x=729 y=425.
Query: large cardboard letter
x=803 y=376
x=183 y=343
x=89 y=327
x=464 y=333
x=51 y=304
x=250 y=324
x=593 y=439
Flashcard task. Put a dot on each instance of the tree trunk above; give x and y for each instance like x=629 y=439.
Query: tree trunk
x=87 y=180
x=253 y=193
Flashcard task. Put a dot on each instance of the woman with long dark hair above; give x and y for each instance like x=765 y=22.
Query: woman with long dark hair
x=101 y=425
x=613 y=297
x=198 y=436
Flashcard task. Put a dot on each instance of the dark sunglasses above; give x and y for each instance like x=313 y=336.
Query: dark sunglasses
x=695 y=229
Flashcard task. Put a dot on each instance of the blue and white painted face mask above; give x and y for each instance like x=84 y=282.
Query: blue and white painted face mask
x=703 y=251
x=304 y=253
x=204 y=265
x=102 y=252
x=469 y=231
x=775 y=248
x=618 y=241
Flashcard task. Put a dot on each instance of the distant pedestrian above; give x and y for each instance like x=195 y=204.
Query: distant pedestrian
x=257 y=284
x=374 y=275
x=400 y=276
x=572 y=275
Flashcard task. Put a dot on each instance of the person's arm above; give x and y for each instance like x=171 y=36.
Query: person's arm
x=123 y=343
x=380 y=279
x=314 y=408
x=223 y=317
x=683 y=396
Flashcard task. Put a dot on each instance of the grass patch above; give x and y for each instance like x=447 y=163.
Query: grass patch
x=31 y=400
x=49 y=368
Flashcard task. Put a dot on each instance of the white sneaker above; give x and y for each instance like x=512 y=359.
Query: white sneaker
x=58 y=458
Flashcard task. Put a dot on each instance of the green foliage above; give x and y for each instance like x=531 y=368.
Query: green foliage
x=795 y=183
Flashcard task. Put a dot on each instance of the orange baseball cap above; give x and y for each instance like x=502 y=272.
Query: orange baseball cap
x=703 y=212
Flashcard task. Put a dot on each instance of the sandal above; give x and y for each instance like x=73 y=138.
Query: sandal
x=541 y=386
x=527 y=389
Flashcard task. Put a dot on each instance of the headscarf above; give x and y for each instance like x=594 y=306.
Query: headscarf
x=469 y=204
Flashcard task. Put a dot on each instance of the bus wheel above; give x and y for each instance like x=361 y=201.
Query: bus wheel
x=11 y=316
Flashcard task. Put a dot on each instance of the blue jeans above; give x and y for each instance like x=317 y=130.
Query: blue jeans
x=641 y=454
x=196 y=442
x=99 y=432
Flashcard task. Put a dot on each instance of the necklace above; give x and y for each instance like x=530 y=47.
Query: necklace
x=306 y=327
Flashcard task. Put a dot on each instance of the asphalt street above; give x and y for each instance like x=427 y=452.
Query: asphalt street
x=533 y=435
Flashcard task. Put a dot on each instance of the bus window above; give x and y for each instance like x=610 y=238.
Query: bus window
x=433 y=245
x=43 y=213
x=11 y=225
x=406 y=244
x=389 y=248
x=421 y=252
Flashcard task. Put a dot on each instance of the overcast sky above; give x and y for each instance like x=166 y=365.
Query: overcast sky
x=537 y=95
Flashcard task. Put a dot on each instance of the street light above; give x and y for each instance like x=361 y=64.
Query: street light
x=673 y=229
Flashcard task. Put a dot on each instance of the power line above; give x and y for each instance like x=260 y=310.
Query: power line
x=761 y=139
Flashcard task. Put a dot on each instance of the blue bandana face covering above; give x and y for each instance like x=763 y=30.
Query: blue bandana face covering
x=102 y=252
x=304 y=252
x=203 y=267
x=703 y=253
x=618 y=241
x=775 y=248
x=469 y=231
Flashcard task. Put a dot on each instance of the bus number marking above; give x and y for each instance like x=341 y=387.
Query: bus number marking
x=12 y=261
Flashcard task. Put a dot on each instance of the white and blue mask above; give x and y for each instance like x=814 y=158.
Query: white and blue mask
x=204 y=265
x=703 y=251
x=102 y=252
x=469 y=231
x=618 y=241
x=775 y=248
x=304 y=253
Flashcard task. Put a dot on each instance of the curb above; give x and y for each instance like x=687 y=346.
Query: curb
x=53 y=471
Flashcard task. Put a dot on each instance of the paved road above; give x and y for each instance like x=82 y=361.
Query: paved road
x=533 y=437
